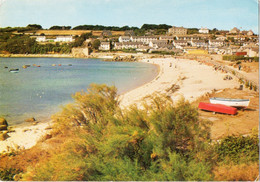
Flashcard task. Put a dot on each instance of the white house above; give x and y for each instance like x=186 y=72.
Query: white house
x=41 y=38
x=199 y=43
x=221 y=37
x=204 y=30
x=118 y=45
x=128 y=45
x=143 y=39
x=216 y=43
x=252 y=52
x=179 y=44
x=158 y=43
x=104 y=46
x=187 y=37
x=64 y=39
x=168 y=38
x=124 y=39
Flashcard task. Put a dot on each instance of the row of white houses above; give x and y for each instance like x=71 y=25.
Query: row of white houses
x=157 y=44
x=57 y=39
x=180 y=44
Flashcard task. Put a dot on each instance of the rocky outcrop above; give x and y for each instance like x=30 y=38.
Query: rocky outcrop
x=3 y=124
x=130 y=58
x=3 y=135
x=3 y=129
x=30 y=120
x=3 y=121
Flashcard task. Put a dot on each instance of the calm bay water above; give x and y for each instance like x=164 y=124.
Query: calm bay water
x=39 y=91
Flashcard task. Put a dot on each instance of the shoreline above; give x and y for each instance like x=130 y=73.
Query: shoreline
x=36 y=56
x=190 y=78
x=193 y=78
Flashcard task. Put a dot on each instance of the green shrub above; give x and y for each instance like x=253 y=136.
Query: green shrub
x=8 y=174
x=256 y=59
x=107 y=143
x=233 y=57
x=238 y=149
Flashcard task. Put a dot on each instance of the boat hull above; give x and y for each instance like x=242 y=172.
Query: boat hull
x=217 y=108
x=14 y=70
x=230 y=102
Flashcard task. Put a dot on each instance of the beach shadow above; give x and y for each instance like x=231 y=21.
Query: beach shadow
x=246 y=109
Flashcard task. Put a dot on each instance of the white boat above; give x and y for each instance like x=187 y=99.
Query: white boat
x=14 y=70
x=230 y=102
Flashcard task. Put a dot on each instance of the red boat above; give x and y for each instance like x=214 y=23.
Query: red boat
x=217 y=108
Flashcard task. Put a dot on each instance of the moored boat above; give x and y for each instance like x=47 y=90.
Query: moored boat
x=217 y=108
x=230 y=102
x=14 y=70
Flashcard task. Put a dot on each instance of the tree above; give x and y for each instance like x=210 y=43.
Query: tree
x=34 y=26
x=154 y=26
x=60 y=27
x=96 y=44
x=192 y=31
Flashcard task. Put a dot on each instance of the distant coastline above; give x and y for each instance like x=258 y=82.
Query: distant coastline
x=37 y=55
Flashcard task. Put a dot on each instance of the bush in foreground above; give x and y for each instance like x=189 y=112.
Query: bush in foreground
x=159 y=142
x=162 y=141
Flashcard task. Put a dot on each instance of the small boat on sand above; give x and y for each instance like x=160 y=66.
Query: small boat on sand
x=217 y=108
x=230 y=102
x=14 y=70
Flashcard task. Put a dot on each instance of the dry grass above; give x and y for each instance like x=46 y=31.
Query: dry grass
x=240 y=172
x=24 y=158
x=74 y=32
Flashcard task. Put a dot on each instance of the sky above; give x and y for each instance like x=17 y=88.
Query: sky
x=220 y=14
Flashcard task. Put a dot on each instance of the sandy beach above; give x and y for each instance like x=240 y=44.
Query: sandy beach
x=24 y=136
x=193 y=79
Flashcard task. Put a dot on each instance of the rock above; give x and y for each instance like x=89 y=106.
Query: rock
x=30 y=120
x=227 y=77
x=3 y=121
x=3 y=127
x=11 y=130
x=25 y=130
x=3 y=136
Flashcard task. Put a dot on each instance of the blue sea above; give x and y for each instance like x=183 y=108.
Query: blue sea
x=40 y=91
